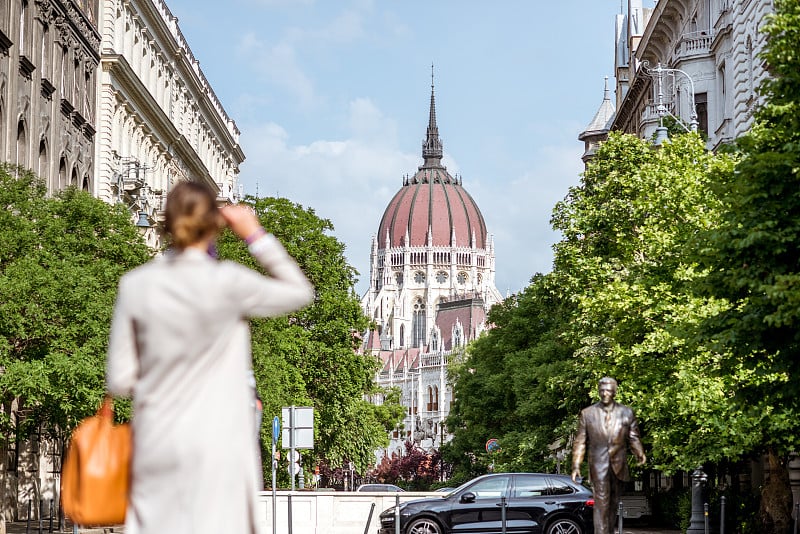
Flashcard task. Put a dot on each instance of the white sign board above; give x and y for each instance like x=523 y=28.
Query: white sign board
x=301 y=424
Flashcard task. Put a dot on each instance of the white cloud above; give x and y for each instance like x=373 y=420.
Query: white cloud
x=348 y=181
x=278 y=65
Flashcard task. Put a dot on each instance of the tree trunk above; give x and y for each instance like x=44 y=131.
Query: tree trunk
x=775 y=512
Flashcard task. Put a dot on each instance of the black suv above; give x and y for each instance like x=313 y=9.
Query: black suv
x=534 y=504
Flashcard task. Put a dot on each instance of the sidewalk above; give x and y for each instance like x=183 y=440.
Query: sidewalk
x=22 y=527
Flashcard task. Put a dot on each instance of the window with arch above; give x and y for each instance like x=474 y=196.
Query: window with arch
x=62 y=173
x=398 y=279
x=402 y=335
x=430 y=399
x=462 y=278
x=441 y=277
x=22 y=144
x=435 y=399
x=419 y=277
x=457 y=336
x=434 y=340
x=43 y=159
x=418 y=324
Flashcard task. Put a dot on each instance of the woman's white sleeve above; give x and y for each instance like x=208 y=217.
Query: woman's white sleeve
x=122 y=364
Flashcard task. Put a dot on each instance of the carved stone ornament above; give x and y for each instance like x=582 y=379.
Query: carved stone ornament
x=45 y=10
x=79 y=20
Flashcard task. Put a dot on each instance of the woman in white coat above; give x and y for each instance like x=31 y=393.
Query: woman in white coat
x=180 y=346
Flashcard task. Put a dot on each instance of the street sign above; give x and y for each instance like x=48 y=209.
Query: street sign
x=293 y=468
x=276 y=428
x=302 y=427
x=492 y=445
x=294 y=456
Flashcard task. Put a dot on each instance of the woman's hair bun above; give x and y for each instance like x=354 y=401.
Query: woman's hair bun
x=191 y=214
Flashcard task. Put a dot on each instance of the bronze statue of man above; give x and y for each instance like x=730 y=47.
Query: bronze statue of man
x=610 y=428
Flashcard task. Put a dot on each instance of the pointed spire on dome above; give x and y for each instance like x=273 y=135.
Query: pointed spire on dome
x=432 y=146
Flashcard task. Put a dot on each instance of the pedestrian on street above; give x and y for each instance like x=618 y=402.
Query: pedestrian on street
x=180 y=346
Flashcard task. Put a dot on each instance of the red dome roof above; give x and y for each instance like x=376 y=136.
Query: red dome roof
x=433 y=200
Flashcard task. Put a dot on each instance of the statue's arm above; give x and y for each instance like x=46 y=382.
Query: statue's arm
x=634 y=441
x=579 y=447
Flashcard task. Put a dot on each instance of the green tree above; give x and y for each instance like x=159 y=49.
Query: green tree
x=754 y=259
x=60 y=261
x=310 y=357
x=515 y=384
x=630 y=232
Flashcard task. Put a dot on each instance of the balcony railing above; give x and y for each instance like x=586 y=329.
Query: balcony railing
x=695 y=43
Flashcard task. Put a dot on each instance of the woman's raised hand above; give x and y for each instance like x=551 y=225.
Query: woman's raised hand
x=242 y=221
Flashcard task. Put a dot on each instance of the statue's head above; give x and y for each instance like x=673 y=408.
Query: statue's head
x=607 y=389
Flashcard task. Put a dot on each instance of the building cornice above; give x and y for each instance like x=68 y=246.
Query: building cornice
x=134 y=91
x=164 y=25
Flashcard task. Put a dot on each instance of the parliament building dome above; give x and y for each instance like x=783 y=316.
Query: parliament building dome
x=432 y=208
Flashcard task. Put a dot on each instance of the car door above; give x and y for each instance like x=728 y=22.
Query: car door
x=530 y=501
x=477 y=507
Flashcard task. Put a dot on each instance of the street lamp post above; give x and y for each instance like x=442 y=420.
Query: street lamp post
x=699 y=514
x=658 y=73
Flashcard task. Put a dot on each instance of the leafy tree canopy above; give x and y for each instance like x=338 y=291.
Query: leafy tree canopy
x=60 y=261
x=309 y=357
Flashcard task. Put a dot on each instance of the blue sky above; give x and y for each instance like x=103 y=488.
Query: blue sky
x=332 y=101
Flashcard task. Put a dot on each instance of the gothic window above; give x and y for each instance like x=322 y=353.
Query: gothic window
x=435 y=399
x=457 y=336
x=62 y=173
x=402 y=334
x=398 y=279
x=430 y=399
x=419 y=277
x=480 y=278
x=441 y=277
x=462 y=278
x=43 y=159
x=434 y=341
x=418 y=324
x=22 y=144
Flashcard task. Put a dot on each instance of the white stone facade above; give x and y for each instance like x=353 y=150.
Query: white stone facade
x=715 y=43
x=159 y=119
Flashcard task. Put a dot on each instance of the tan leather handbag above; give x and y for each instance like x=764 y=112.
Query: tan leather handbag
x=96 y=472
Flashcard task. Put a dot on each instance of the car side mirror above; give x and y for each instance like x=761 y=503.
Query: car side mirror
x=468 y=497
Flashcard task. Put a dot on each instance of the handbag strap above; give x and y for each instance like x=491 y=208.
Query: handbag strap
x=106 y=410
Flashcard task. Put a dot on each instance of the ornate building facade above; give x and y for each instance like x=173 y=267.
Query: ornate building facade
x=49 y=57
x=104 y=95
x=693 y=60
x=432 y=282
x=159 y=120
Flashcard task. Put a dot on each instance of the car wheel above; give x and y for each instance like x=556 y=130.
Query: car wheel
x=424 y=526
x=564 y=526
